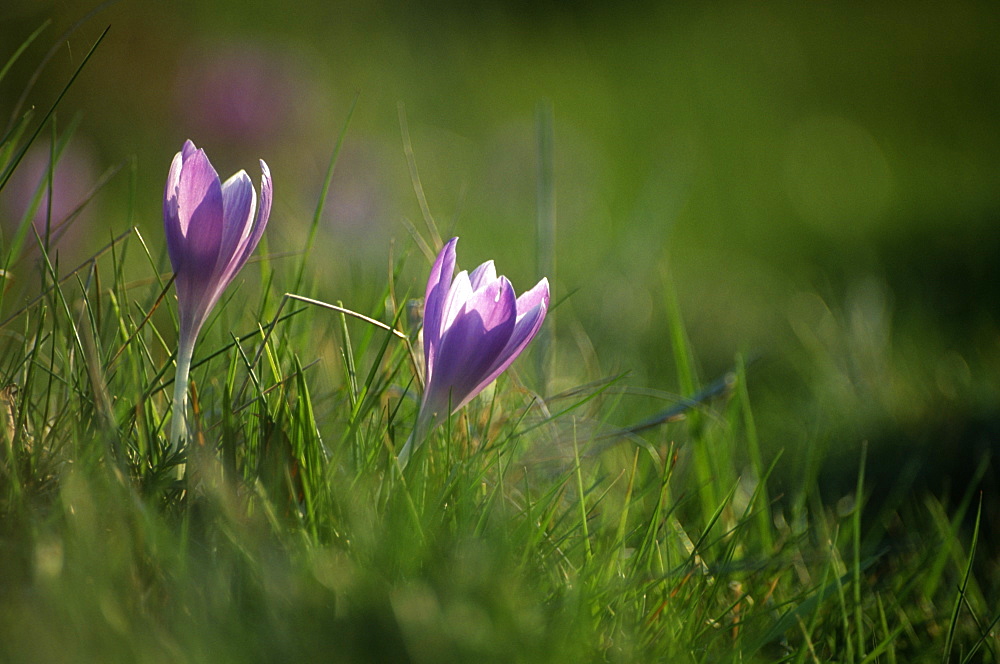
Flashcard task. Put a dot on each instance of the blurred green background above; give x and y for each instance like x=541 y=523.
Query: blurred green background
x=820 y=182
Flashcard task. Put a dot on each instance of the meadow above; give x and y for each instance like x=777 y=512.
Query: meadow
x=758 y=423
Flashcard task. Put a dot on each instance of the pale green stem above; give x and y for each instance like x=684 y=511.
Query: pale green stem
x=404 y=454
x=411 y=444
x=428 y=418
x=178 y=428
x=425 y=423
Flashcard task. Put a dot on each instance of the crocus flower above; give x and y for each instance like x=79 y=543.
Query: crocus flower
x=212 y=228
x=474 y=328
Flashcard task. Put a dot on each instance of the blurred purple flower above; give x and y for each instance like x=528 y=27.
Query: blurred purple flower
x=240 y=92
x=474 y=328
x=73 y=176
x=212 y=228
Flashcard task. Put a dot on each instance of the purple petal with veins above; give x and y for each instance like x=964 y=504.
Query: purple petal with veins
x=474 y=328
x=437 y=291
x=211 y=230
x=484 y=273
x=527 y=326
x=474 y=339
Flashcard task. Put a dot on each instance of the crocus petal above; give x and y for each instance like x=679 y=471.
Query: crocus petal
x=532 y=298
x=211 y=230
x=175 y=231
x=263 y=212
x=438 y=286
x=495 y=303
x=454 y=303
x=471 y=345
x=244 y=228
x=199 y=212
x=239 y=203
x=483 y=274
x=258 y=223
x=527 y=326
x=188 y=149
x=171 y=219
x=458 y=295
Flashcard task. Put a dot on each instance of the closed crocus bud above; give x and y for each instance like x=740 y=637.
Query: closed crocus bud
x=474 y=328
x=212 y=228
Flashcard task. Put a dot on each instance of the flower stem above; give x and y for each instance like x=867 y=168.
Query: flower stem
x=420 y=431
x=427 y=419
x=178 y=428
x=404 y=454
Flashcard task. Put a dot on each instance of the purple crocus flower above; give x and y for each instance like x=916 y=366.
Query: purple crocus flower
x=474 y=328
x=212 y=228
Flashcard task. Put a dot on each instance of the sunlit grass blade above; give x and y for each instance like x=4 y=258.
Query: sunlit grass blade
x=859 y=502
x=418 y=187
x=57 y=44
x=321 y=201
x=5 y=175
x=24 y=45
x=26 y=224
x=960 y=595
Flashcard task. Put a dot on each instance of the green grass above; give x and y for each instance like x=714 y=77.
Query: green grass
x=533 y=526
